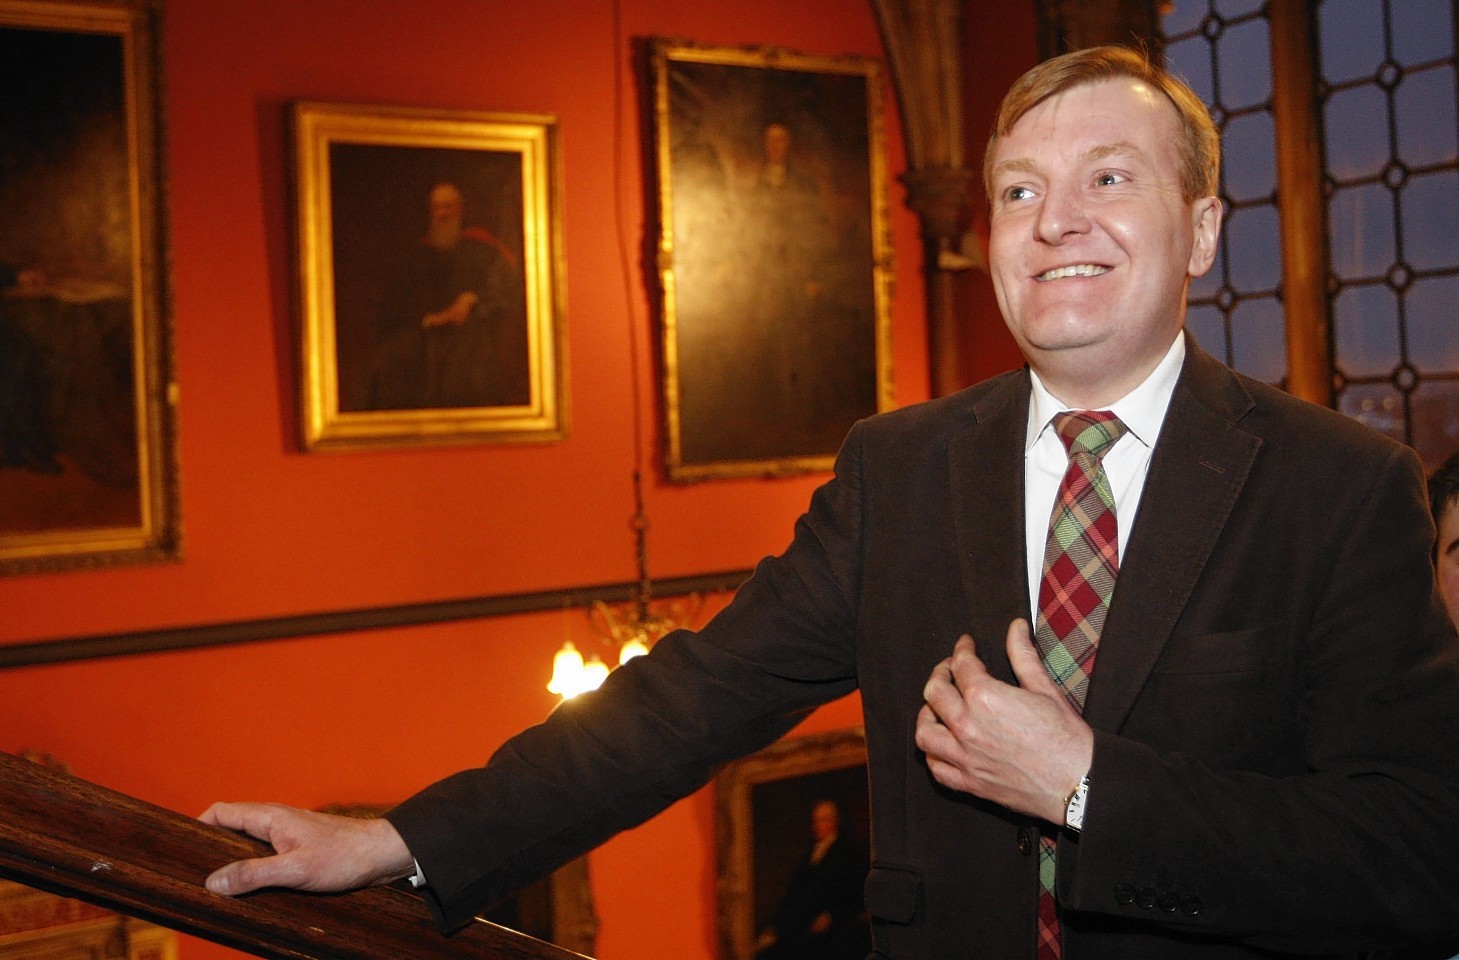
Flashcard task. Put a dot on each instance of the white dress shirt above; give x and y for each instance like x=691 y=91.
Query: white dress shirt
x=1142 y=411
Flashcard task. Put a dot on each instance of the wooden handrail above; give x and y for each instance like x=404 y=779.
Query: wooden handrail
x=77 y=839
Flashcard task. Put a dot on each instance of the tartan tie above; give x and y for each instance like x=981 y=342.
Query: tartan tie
x=1081 y=560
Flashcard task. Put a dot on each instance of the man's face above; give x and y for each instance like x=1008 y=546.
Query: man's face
x=1092 y=243
x=1449 y=559
x=446 y=206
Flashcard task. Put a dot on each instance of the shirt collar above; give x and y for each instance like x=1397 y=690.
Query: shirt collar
x=1142 y=409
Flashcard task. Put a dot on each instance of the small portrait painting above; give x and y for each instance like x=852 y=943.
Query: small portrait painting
x=430 y=277
x=794 y=851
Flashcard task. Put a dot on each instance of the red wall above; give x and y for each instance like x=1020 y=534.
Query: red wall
x=271 y=531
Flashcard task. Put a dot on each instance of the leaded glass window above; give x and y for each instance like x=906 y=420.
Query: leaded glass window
x=1386 y=93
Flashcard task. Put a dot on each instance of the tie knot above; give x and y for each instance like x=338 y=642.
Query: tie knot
x=1088 y=431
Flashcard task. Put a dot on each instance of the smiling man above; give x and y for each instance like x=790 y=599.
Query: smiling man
x=1095 y=235
x=1150 y=654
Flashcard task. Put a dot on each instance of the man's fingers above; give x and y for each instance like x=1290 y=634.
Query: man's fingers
x=965 y=658
x=939 y=682
x=927 y=718
x=254 y=819
x=239 y=877
x=954 y=680
x=943 y=694
x=244 y=875
x=315 y=851
x=227 y=815
x=967 y=669
x=1026 y=661
x=289 y=870
x=931 y=735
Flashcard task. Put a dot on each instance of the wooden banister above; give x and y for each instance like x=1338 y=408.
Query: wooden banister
x=77 y=839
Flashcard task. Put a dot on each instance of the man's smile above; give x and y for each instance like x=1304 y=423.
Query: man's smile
x=1073 y=270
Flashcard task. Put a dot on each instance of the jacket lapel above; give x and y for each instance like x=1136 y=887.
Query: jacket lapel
x=986 y=475
x=1200 y=464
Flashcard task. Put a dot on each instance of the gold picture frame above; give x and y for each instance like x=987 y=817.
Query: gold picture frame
x=775 y=261
x=431 y=276
x=88 y=455
x=767 y=816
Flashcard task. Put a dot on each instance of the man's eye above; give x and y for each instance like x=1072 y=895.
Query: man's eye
x=1017 y=193
x=1108 y=179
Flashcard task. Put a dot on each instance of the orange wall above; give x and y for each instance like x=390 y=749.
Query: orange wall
x=271 y=531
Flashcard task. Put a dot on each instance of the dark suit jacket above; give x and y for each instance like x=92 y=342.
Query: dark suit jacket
x=1276 y=700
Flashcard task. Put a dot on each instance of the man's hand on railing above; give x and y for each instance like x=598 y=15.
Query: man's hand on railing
x=314 y=851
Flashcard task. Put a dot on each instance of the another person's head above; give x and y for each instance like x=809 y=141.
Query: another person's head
x=447 y=207
x=1444 y=502
x=1101 y=172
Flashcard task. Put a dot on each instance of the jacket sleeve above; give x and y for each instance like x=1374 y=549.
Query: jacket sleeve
x=1356 y=844
x=659 y=727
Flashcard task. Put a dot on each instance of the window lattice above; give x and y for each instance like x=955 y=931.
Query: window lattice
x=1223 y=51
x=1387 y=88
x=1391 y=180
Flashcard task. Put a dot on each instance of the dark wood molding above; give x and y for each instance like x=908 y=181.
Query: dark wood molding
x=67 y=649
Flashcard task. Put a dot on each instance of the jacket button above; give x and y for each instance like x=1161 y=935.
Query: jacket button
x=1167 y=902
x=1025 y=840
x=1145 y=898
x=1191 y=906
x=1124 y=893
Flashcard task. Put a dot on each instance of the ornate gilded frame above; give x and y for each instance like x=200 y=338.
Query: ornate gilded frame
x=774 y=255
x=762 y=809
x=371 y=374
x=88 y=378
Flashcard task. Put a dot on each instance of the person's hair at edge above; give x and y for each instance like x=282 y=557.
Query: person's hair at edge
x=1444 y=486
x=1200 y=143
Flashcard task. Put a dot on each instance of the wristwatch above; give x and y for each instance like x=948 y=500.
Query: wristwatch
x=1074 y=805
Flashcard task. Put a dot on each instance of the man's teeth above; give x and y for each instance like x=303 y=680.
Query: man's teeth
x=1075 y=270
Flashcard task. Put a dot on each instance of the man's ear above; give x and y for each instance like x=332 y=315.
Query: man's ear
x=1206 y=224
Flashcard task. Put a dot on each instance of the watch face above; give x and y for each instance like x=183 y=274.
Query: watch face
x=1074 y=812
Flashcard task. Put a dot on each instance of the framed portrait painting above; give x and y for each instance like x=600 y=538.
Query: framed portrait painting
x=774 y=256
x=88 y=465
x=430 y=276
x=793 y=824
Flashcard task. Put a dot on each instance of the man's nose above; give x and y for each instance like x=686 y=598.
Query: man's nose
x=1062 y=214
